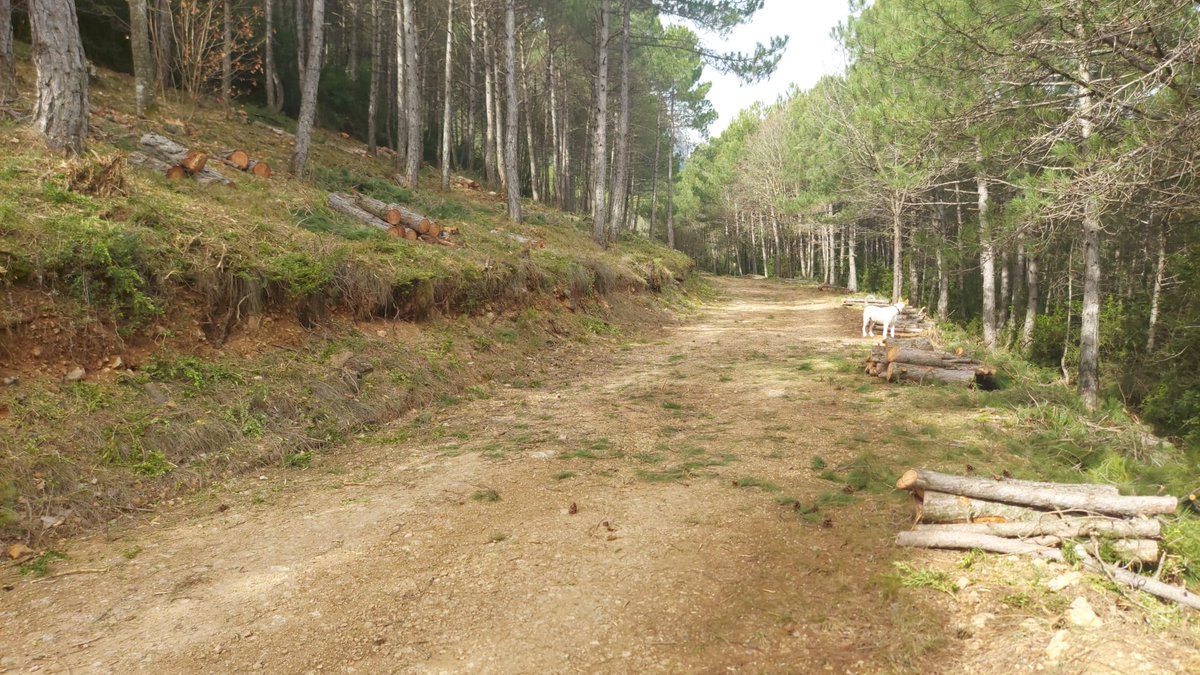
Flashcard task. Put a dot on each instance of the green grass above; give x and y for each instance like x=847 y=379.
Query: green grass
x=937 y=580
x=751 y=482
x=488 y=495
x=40 y=566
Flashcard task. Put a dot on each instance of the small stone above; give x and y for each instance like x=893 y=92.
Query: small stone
x=1065 y=580
x=116 y=362
x=76 y=374
x=9 y=381
x=36 y=351
x=1057 y=647
x=981 y=620
x=155 y=393
x=1082 y=614
x=962 y=583
x=381 y=333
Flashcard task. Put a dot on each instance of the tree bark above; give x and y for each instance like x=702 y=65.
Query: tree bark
x=412 y=107
x=301 y=40
x=512 y=128
x=143 y=62
x=498 y=118
x=1089 y=329
x=446 y=96
x=61 y=112
x=600 y=126
x=401 y=97
x=851 y=248
x=987 y=256
x=531 y=153
x=308 y=88
x=1054 y=498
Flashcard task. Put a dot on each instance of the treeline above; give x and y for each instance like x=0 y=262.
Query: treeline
x=576 y=103
x=1025 y=167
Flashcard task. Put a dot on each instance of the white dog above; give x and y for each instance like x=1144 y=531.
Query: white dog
x=885 y=316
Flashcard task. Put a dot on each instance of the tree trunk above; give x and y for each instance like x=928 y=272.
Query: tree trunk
x=61 y=112
x=226 y=53
x=671 y=173
x=621 y=158
x=274 y=103
x=1026 y=494
x=531 y=153
x=376 y=68
x=412 y=107
x=1089 y=328
x=1156 y=294
x=163 y=38
x=778 y=254
x=308 y=88
x=987 y=258
x=143 y=62
x=472 y=91
x=301 y=40
x=498 y=102
x=600 y=126
x=490 y=114
x=7 y=60
x=1031 y=302
x=446 y=96
x=897 y=251
x=1002 y=309
x=852 y=260
x=657 y=163
x=555 y=146
x=512 y=128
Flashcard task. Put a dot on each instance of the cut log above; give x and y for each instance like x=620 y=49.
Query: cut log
x=1054 y=525
x=176 y=172
x=194 y=162
x=940 y=507
x=260 y=168
x=984 y=542
x=902 y=372
x=1045 y=498
x=238 y=159
x=165 y=150
x=346 y=205
x=394 y=214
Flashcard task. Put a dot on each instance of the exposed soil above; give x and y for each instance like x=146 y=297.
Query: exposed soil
x=631 y=510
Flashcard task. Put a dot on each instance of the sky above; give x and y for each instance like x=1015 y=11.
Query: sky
x=810 y=53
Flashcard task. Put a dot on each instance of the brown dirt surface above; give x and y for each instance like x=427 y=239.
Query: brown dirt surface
x=651 y=505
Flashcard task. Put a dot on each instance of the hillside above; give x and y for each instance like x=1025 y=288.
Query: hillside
x=159 y=334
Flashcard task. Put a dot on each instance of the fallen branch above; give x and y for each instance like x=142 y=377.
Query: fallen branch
x=991 y=544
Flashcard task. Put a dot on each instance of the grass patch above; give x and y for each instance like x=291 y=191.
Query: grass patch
x=486 y=495
x=40 y=566
x=671 y=405
x=564 y=475
x=750 y=482
x=937 y=580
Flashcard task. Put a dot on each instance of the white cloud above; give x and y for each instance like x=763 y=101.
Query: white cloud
x=811 y=53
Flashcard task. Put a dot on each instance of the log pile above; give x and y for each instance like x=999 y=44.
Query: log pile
x=398 y=221
x=465 y=183
x=1003 y=515
x=174 y=161
x=917 y=360
x=912 y=321
x=240 y=160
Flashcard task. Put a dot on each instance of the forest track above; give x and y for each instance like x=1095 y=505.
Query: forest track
x=627 y=510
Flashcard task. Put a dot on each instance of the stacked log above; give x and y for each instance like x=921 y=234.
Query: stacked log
x=917 y=360
x=396 y=220
x=911 y=323
x=1003 y=515
x=174 y=161
x=241 y=160
x=465 y=183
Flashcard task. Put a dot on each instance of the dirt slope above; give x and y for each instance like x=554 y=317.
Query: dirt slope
x=632 y=513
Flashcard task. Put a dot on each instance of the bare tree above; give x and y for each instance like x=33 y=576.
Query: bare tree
x=513 y=182
x=143 y=63
x=163 y=43
x=226 y=53
x=308 y=88
x=61 y=113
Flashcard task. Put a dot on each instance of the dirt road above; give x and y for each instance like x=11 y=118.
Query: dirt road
x=648 y=506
